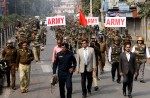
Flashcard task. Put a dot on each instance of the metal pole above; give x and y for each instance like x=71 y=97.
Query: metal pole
x=16 y=6
x=1 y=39
x=91 y=8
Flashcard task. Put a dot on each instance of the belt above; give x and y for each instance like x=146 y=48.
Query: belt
x=23 y=63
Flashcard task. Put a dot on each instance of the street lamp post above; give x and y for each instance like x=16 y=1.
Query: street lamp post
x=91 y=8
x=16 y=6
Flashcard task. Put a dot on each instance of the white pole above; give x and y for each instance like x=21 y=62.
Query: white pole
x=91 y=8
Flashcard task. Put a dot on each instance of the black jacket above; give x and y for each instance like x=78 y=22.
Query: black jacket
x=125 y=66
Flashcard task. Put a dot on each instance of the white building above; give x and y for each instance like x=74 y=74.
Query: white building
x=66 y=7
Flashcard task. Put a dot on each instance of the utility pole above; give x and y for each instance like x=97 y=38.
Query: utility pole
x=16 y=6
x=91 y=8
x=5 y=7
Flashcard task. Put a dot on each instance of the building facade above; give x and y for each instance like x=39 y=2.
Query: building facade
x=127 y=8
x=65 y=7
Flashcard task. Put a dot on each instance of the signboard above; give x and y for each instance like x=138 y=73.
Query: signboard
x=56 y=21
x=123 y=6
x=92 y=20
x=115 y=22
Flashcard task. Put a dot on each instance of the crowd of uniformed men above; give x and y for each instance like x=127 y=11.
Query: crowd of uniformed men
x=106 y=43
x=30 y=38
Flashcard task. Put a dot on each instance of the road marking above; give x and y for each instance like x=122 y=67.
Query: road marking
x=46 y=68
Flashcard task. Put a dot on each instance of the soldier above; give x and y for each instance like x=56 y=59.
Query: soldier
x=66 y=40
x=36 y=47
x=113 y=58
x=94 y=44
x=102 y=51
x=24 y=58
x=79 y=39
x=126 y=37
x=9 y=54
x=43 y=34
x=142 y=53
x=21 y=36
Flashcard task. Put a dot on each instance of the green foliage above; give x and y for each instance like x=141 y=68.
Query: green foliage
x=96 y=5
x=145 y=9
x=9 y=20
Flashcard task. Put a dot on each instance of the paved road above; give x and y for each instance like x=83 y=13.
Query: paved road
x=41 y=72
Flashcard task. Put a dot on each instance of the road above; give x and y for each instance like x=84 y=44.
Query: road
x=40 y=81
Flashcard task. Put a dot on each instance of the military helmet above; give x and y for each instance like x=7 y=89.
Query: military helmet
x=116 y=38
x=93 y=37
x=83 y=31
x=34 y=29
x=22 y=33
x=65 y=37
x=140 y=38
x=9 y=41
x=80 y=32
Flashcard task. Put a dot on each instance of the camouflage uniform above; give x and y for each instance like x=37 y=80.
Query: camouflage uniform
x=36 y=47
x=113 y=55
x=142 y=53
x=43 y=35
x=126 y=37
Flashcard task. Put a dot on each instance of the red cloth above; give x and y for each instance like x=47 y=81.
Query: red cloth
x=82 y=19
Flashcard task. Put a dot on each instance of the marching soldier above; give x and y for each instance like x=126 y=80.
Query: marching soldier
x=102 y=51
x=21 y=36
x=79 y=39
x=142 y=53
x=43 y=34
x=9 y=54
x=66 y=40
x=36 y=47
x=113 y=58
x=126 y=37
x=96 y=47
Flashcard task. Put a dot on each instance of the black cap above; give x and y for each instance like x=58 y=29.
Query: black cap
x=65 y=45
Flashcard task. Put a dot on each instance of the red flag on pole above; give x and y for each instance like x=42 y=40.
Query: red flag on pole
x=82 y=19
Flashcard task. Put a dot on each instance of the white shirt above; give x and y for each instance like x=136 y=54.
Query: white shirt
x=147 y=51
x=128 y=55
x=85 y=55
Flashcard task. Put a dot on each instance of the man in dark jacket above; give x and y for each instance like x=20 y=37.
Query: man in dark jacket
x=127 y=69
x=66 y=63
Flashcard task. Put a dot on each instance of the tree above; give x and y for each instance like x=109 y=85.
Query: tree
x=96 y=5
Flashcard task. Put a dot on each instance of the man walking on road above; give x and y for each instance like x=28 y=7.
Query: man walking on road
x=24 y=58
x=9 y=54
x=86 y=63
x=113 y=58
x=127 y=69
x=66 y=63
x=142 y=53
x=56 y=50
